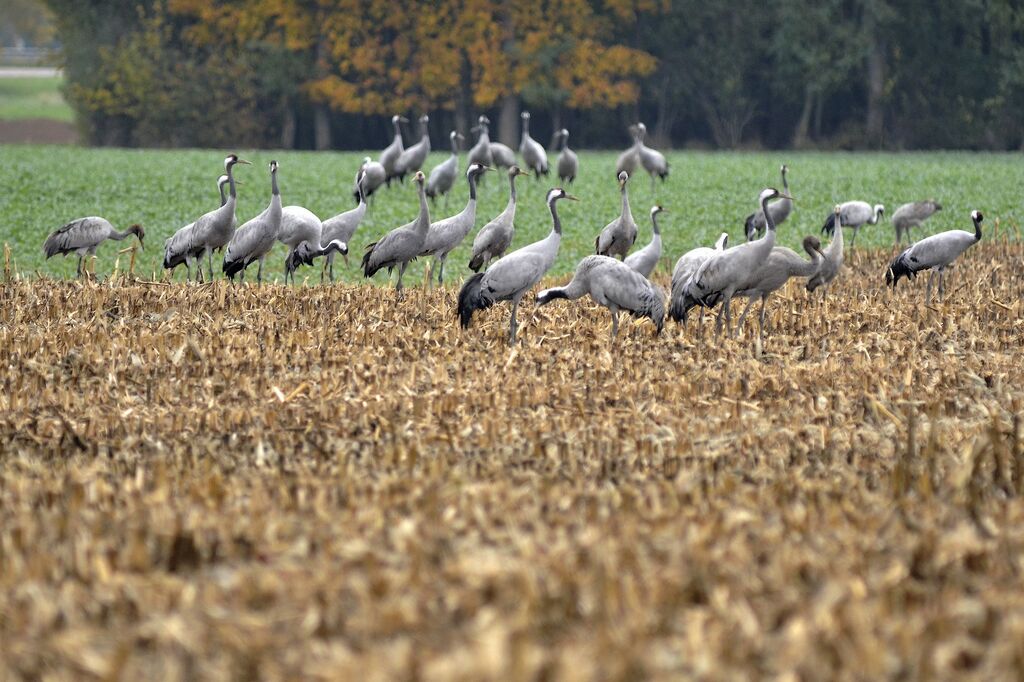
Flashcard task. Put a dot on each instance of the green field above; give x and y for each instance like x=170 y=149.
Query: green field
x=706 y=193
x=24 y=98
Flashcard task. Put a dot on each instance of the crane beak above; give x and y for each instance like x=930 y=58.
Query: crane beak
x=522 y=172
x=247 y=163
x=786 y=196
x=489 y=168
x=571 y=197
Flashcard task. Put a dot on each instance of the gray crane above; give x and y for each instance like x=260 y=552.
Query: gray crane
x=343 y=226
x=254 y=240
x=777 y=269
x=389 y=157
x=618 y=236
x=912 y=215
x=412 y=158
x=629 y=159
x=534 y=156
x=445 y=235
x=481 y=151
x=442 y=176
x=833 y=262
x=374 y=176
x=495 y=237
x=305 y=253
x=615 y=286
x=935 y=253
x=568 y=163
x=511 y=276
x=854 y=214
x=503 y=155
x=401 y=245
x=754 y=224
x=176 y=254
x=212 y=230
x=646 y=259
x=652 y=160
x=83 y=235
x=684 y=269
x=721 y=276
x=299 y=226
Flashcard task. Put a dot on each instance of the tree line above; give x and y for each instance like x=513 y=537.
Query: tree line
x=914 y=74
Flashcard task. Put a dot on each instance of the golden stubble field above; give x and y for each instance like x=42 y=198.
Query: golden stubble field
x=274 y=483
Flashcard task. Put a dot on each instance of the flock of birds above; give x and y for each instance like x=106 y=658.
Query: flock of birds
x=613 y=277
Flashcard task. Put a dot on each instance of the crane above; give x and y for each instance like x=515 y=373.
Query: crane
x=175 y=255
x=935 y=253
x=754 y=224
x=833 y=262
x=481 y=151
x=777 y=269
x=411 y=159
x=495 y=237
x=652 y=160
x=442 y=176
x=684 y=269
x=445 y=235
x=629 y=159
x=568 y=162
x=389 y=157
x=254 y=240
x=854 y=214
x=618 y=236
x=534 y=156
x=83 y=235
x=646 y=259
x=374 y=176
x=401 y=245
x=912 y=215
x=342 y=226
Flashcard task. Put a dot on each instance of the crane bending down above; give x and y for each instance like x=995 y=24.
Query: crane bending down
x=509 y=278
x=934 y=253
x=445 y=235
x=646 y=259
x=400 y=246
x=684 y=269
x=495 y=237
x=614 y=285
x=754 y=225
x=912 y=215
x=618 y=236
x=254 y=240
x=83 y=235
x=781 y=264
x=833 y=262
x=854 y=215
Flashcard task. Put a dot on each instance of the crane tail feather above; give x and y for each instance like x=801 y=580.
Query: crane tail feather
x=471 y=299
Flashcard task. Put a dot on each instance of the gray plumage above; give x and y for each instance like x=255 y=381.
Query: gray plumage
x=177 y=246
x=445 y=235
x=374 y=177
x=442 y=176
x=935 y=253
x=401 y=245
x=775 y=271
x=652 y=160
x=299 y=226
x=389 y=157
x=495 y=237
x=754 y=224
x=534 y=156
x=84 y=235
x=684 y=269
x=568 y=163
x=502 y=155
x=833 y=261
x=511 y=276
x=854 y=214
x=306 y=253
x=343 y=226
x=629 y=160
x=254 y=240
x=618 y=236
x=411 y=159
x=615 y=286
x=912 y=215
x=646 y=259
x=481 y=151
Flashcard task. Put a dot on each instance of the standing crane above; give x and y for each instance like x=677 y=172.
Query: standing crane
x=777 y=269
x=912 y=215
x=833 y=262
x=342 y=226
x=401 y=245
x=534 y=156
x=646 y=259
x=445 y=235
x=614 y=285
x=411 y=159
x=652 y=160
x=629 y=159
x=254 y=240
x=175 y=255
x=684 y=269
x=754 y=224
x=854 y=214
x=442 y=176
x=481 y=151
x=83 y=235
x=568 y=163
x=618 y=236
x=935 y=253
x=389 y=157
x=511 y=276
x=495 y=237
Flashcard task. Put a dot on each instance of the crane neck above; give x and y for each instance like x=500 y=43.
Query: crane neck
x=785 y=183
x=556 y=223
x=654 y=224
x=512 y=190
x=472 y=187
x=424 y=211
x=874 y=215
x=398 y=129
x=455 y=149
x=977 y=230
x=768 y=220
x=231 y=181
x=223 y=199
x=273 y=184
x=625 y=200
x=360 y=192
x=526 y=127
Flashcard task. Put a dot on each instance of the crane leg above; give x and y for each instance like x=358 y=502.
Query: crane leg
x=259 y=272
x=750 y=302
x=398 y=285
x=513 y=326
x=440 y=271
x=615 y=324
x=79 y=272
x=209 y=262
x=188 y=269
x=928 y=291
x=764 y=300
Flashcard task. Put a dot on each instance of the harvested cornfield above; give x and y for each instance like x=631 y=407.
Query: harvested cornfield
x=316 y=482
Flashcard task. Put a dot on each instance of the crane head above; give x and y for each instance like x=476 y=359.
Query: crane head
x=559 y=193
x=140 y=233
x=222 y=180
x=623 y=178
x=812 y=244
x=483 y=120
x=879 y=209
x=424 y=119
x=837 y=209
x=514 y=171
x=231 y=159
x=937 y=205
x=419 y=178
x=273 y=166
x=784 y=169
x=656 y=209
x=977 y=216
x=477 y=169
x=525 y=115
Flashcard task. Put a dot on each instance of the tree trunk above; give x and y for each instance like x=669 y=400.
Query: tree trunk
x=508 y=121
x=874 y=125
x=321 y=127
x=463 y=99
x=288 y=126
x=804 y=123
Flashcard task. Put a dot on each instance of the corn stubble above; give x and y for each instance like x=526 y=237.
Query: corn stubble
x=213 y=481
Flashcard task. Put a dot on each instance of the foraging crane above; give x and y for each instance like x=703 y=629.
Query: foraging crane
x=777 y=269
x=481 y=151
x=212 y=230
x=618 y=236
x=254 y=240
x=83 y=235
x=684 y=269
x=299 y=226
x=833 y=262
x=342 y=226
x=495 y=237
x=445 y=235
x=614 y=285
x=652 y=160
x=374 y=176
x=389 y=157
x=854 y=214
x=511 y=276
x=401 y=245
x=629 y=159
x=912 y=215
x=305 y=253
x=411 y=159
x=721 y=276
x=754 y=224
x=646 y=259
x=568 y=163
x=934 y=253
x=442 y=176
x=534 y=156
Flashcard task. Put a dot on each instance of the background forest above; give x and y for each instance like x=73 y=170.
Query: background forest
x=311 y=74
